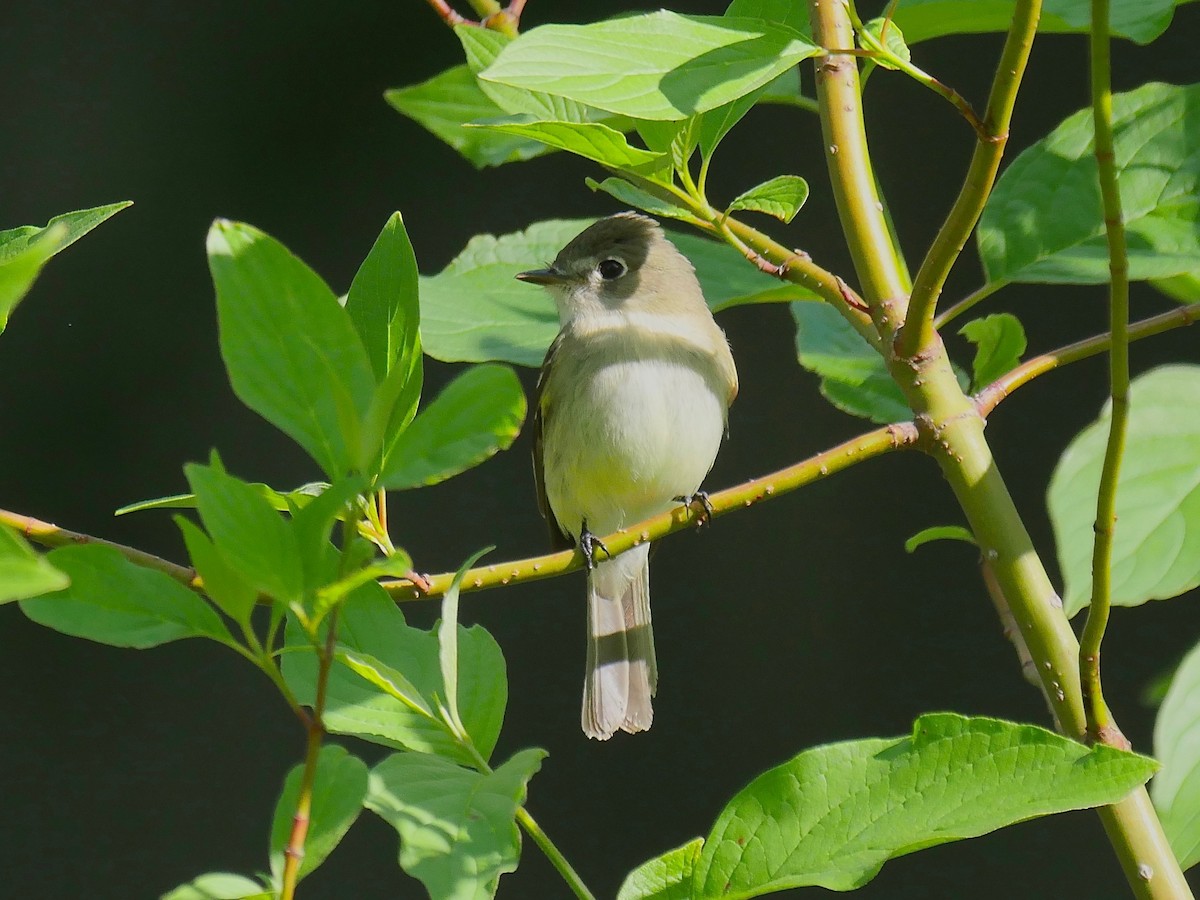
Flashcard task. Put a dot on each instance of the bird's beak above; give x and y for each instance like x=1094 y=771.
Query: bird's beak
x=549 y=275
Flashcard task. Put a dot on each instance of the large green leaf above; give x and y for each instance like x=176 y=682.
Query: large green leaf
x=222 y=582
x=654 y=66
x=665 y=877
x=474 y=310
x=1138 y=20
x=854 y=378
x=1045 y=222
x=833 y=815
x=457 y=827
x=371 y=626
x=24 y=572
x=1176 y=789
x=479 y=413
x=337 y=799
x=113 y=601
x=443 y=103
x=1156 y=548
x=292 y=353
x=253 y=539
x=24 y=250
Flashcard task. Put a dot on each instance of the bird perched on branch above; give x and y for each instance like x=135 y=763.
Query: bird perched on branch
x=632 y=404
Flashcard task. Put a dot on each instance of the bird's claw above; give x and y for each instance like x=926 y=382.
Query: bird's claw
x=701 y=497
x=588 y=543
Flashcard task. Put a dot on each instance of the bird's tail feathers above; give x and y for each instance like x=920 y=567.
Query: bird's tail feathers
x=622 y=674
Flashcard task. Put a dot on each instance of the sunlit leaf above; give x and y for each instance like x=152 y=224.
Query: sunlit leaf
x=780 y=197
x=478 y=414
x=457 y=827
x=112 y=601
x=220 y=886
x=1044 y=221
x=591 y=140
x=653 y=66
x=833 y=815
x=24 y=572
x=665 y=877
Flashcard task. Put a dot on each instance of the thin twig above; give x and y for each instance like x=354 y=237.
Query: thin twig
x=873 y=443
x=49 y=535
x=992 y=395
x=569 y=875
x=1101 y=727
x=969 y=302
x=448 y=15
x=293 y=855
x=918 y=329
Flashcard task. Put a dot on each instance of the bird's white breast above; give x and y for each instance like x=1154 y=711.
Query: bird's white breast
x=632 y=424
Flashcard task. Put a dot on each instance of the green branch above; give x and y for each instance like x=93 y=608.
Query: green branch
x=865 y=446
x=560 y=863
x=1100 y=724
x=918 y=329
x=876 y=257
x=992 y=395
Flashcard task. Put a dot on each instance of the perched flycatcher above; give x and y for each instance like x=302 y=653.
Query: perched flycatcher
x=631 y=408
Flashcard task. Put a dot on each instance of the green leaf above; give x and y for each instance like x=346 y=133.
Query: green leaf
x=1044 y=221
x=384 y=307
x=253 y=539
x=337 y=798
x=382 y=300
x=373 y=634
x=292 y=353
x=224 y=585
x=780 y=197
x=591 y=140
x=279 y=501
x=631 y=195
x=654 y=66
x=784 y=12
x=1185 y=288
x=112 y=601
x=939 y=533
x=1176 y=789
x=312 y=523
x=666 y=877
x=892 y=41
x=833 y=815
x=999 y=343
x=479 y=413
x=1139 y=20
x=387 y=679
x=483 y=45
x=854 y=378
x=24 y=573
x=24 y=250
x=447 y=633
x=443 y=103
x=1156 y=548
x=474 y=310
x=220 y=886
x=457 y=827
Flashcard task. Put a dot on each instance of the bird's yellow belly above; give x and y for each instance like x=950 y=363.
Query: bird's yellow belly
x=631 y=437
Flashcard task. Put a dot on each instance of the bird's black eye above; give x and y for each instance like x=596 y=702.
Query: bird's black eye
x=610 y=269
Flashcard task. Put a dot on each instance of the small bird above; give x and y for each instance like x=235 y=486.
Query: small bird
x=632 y=403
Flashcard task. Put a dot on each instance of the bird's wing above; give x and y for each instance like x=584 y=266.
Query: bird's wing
x=559 y=539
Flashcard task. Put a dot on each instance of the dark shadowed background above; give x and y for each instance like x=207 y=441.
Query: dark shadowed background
x=800 y=622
